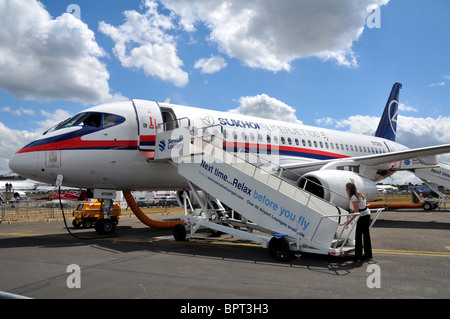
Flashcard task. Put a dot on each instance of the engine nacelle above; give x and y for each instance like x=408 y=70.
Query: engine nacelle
x=330 y=185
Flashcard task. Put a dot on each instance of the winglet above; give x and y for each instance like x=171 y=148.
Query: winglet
x=387 y=128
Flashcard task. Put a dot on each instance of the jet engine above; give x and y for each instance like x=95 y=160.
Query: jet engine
x=330 y=185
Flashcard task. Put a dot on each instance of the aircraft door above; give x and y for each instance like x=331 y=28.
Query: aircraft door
x=148 y=116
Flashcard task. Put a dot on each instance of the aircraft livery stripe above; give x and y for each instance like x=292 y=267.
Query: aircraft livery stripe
x=147 y=138
x=284 y=150
x=78 y=143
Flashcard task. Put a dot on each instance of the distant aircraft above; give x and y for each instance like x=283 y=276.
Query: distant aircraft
x=386 y=188
x=19 y=184
x=112 y=146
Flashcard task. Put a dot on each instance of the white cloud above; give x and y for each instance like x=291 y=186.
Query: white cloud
x=266 y=107
x=20 y=111
x=437 y=84
x=211 y=65
x=142 y=42
x=271 y=34
x=421 y=132
x=406 y=108
x=441 y=83
x=44 y=58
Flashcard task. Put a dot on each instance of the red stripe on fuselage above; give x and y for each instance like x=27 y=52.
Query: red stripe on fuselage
x=298 y=150
x=78 y=143
x=147 y=138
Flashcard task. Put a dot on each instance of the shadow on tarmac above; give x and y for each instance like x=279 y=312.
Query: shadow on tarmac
x=127 y=239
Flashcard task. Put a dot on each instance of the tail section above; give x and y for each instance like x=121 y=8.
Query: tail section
x=387 y=128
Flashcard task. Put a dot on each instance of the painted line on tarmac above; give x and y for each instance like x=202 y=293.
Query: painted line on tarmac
x=20 y=234
x=412 y=253
x=136 y=240
x=218 y=241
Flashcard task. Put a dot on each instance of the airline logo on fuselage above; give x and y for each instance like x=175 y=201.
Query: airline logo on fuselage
x=239 y=123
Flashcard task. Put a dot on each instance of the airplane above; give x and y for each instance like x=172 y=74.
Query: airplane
x=383 y=189
x=17 y=186
x=112 y=146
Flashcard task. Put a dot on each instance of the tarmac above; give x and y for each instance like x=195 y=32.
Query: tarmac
x=411 y=254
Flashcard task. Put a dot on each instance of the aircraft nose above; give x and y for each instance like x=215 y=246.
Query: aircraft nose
x=25 y=164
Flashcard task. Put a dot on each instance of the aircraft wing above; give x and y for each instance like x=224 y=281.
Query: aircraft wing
x=423 y=152
x=376 y=159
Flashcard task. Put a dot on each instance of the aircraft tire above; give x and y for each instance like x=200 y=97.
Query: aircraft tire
x=179 y=232
x=279 y=248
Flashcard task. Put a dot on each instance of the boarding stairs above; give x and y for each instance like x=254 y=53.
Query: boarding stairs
x=273 y=211
x=5 y=196
x=430 y=203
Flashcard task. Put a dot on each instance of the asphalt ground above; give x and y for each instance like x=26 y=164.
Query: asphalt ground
x=42 y=260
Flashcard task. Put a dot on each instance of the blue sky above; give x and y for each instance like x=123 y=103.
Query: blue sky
x=320 y=60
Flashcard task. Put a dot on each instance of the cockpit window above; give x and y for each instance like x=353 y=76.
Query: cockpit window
x=110 y=120
x=91 y=119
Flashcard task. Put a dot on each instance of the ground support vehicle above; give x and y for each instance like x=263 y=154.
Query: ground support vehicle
x=87 y=214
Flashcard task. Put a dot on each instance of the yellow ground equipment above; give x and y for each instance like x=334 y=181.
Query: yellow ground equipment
x=87 y=213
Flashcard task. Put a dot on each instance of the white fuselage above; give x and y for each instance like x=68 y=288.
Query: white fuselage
x=109 y=156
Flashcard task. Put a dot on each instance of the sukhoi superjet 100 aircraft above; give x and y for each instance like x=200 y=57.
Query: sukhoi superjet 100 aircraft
x=112 y=146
